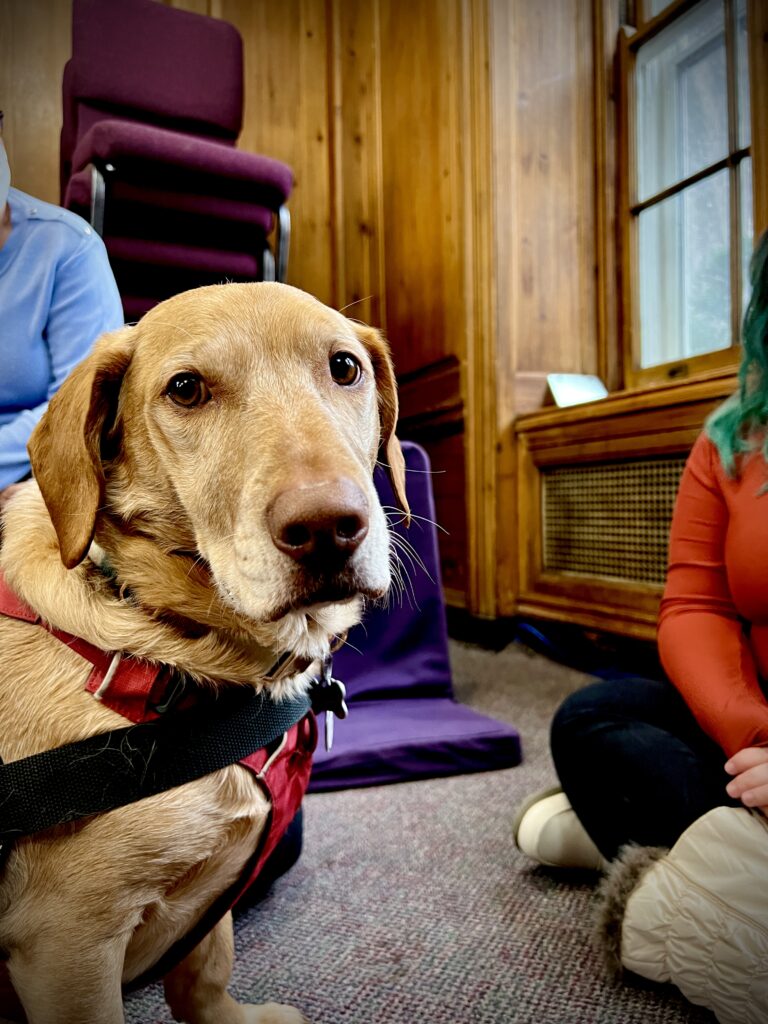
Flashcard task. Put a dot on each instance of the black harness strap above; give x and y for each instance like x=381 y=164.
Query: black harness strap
x=119 y=767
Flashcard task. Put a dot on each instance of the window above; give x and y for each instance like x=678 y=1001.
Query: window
x=686 y=204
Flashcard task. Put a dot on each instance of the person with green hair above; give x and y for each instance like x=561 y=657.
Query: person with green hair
x=741 y=420
x=639 y=760
x=664 y=782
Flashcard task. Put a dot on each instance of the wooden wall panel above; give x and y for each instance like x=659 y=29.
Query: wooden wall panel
x=544 y=124
x=439 y=275
x=421 y=61
x=357 y=169
x=34 y=47
x=506 y=249
x=287 y=117
x=481 y=340
x=543 y=111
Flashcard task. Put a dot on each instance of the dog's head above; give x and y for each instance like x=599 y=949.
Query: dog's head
x=234 y=427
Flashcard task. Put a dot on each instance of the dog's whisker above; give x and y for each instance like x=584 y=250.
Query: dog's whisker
x=356 y=302
x=409 y=595
x=412 y=554
x=351 y=646
x=401 y=573
x=396 y=590
x=411 y=589
x=392 y=510
x=424 y=472
x=396 y=587
x=415 y=560
x=361 y=624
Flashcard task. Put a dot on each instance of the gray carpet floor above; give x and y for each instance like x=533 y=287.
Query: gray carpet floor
x=411 y=905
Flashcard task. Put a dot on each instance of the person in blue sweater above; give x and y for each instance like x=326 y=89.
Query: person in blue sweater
x=57 y=295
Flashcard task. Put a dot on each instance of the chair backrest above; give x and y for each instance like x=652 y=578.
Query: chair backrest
x=403 y=650
x=143 y=61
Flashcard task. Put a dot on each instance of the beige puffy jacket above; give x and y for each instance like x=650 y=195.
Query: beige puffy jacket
x=696 y=915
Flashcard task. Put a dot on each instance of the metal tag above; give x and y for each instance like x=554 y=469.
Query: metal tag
x=329 y=720
x=329 y=696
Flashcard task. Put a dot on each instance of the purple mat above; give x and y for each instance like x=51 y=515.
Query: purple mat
x=403 y=722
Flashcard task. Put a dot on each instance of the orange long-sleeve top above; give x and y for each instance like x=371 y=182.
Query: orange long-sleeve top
x=713 y=623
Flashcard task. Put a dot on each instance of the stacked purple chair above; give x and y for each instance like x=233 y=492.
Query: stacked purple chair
x=404 y=722
x=153 y=103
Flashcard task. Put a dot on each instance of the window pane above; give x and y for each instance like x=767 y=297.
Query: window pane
x=682 y=99
x=653 y=7
x=742 y=73
x=747 y=228
x=685 y=294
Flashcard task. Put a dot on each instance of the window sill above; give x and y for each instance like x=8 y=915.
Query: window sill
x=712 y=385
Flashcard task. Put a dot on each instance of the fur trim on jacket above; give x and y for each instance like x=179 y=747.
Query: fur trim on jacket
x=696 y=915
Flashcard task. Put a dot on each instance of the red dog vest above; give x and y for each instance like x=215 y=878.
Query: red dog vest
x=137 y=689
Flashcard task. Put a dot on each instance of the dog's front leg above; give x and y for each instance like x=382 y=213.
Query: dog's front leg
x=61 y=981
x=196 y=990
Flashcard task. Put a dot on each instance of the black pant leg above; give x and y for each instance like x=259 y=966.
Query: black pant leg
x=634 y=763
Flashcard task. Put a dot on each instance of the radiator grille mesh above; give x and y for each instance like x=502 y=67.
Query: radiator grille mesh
x=610 y=519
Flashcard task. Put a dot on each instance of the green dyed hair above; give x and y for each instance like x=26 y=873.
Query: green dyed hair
x=732 y=426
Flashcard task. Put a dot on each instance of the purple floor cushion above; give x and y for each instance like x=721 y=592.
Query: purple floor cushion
x=411 y=738
x=404 y=722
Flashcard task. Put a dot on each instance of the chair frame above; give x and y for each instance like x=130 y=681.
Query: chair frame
x=274 y=264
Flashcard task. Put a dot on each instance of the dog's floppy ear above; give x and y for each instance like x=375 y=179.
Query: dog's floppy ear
x=386 y=387
x=65 y=446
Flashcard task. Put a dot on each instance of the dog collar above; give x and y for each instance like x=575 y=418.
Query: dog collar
x=284 y=665
x=100 y=560
x=143 y=691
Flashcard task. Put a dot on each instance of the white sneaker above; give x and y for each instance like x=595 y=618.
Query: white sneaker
x=547 y=830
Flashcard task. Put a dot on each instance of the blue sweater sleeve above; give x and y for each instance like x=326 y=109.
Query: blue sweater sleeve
x=84 y=303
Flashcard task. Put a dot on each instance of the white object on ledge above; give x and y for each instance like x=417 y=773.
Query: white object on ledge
x=575 y=388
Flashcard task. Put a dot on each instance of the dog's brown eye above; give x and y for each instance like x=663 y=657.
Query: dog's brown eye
x=187 y=389
x=345 y=369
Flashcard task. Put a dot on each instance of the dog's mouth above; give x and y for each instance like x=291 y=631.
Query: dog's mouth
x=309 y=592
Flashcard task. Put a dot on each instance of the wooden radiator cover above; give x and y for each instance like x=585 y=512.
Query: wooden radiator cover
x=609 y=519
x=596 y=490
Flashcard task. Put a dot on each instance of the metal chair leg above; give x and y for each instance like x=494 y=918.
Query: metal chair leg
x=98 y=199
x=283 y=242
x=267 y=265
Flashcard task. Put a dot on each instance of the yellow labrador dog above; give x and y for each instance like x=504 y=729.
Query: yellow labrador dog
x=217 y=459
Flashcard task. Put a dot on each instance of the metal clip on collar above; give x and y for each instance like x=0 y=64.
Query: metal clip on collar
x=328 y=694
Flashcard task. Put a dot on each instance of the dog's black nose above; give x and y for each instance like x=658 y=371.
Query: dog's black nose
x=317 y=520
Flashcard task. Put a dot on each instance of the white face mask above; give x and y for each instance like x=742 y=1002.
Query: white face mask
x=5 y=176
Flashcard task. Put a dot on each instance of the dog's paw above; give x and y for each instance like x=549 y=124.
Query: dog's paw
x=273 y=1013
